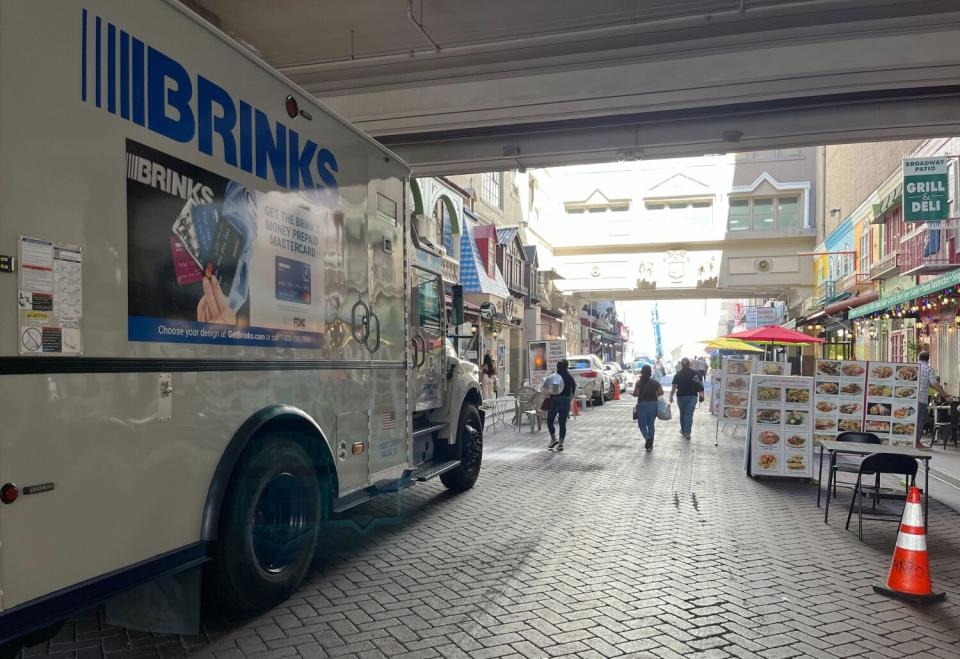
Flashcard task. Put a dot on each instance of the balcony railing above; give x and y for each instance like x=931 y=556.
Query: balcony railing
x=851 y=281
x=451 y=270
x=828 y=290
x=928 y=251
x=886 y=267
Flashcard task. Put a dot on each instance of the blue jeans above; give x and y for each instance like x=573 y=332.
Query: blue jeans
x=560 y=410
x=922 y=410
x=686 y=404
x=646 y=417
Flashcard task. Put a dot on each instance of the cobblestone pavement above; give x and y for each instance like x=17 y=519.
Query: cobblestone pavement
x=603 y=550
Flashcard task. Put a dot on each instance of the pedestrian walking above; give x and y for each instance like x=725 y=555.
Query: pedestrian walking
x=488 y=375
x=701 y=368
x=926 y=380
x=560 y=406
x=647 y=391
x=688 y=389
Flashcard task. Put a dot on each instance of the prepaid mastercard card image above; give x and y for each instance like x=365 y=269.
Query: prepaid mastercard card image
x=225 y=253
x=184 y=230
x=205 y=219
x=293 y=281
x=184 y=267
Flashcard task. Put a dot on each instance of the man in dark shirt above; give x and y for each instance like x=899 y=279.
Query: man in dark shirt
x=688 y=388
x=561 y=406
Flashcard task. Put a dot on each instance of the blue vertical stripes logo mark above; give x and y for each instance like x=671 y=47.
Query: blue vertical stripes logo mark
x=153 y=90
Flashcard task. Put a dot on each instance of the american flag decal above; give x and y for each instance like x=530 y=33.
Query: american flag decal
x=389 y=421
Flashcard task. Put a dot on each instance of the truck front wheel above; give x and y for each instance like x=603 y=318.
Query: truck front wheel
x=269 y=525
x=10 y=649
x=468 y=449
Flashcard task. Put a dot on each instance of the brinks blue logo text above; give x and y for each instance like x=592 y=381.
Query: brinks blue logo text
x=152 y=89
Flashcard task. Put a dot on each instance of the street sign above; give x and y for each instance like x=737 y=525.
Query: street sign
x=543 y=357
x=487 y=311
x=925 y=189
x=760 y=316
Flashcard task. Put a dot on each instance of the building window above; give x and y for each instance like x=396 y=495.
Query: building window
x=690 y=214
x=491 y=189
x=739 y=215
x=788 y=212
x=769 y=154
x=620 y=206
x=865 y=248
x=765 y=214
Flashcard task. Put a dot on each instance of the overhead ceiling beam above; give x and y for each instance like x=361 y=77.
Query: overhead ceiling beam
x=662 y=294
x=842 y=118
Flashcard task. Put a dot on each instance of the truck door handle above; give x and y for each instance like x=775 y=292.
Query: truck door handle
x=376 y=346
x=423 y=351
x=359 y=323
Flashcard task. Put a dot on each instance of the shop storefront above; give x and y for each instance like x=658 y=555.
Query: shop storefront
x=916 y=318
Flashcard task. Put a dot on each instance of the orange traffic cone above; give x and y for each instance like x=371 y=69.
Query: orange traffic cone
x=616 y=390
x=909 y=577
x=576 y=408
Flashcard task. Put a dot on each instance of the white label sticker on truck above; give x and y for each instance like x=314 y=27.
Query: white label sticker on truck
x=50 y=298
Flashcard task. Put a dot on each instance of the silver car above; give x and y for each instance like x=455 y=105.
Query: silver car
x=589 y=368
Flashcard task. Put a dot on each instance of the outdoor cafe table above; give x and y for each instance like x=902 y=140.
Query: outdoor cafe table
x=856 y=448
x=497 y=409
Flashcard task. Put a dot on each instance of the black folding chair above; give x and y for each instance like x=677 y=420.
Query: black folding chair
x=881 y=463
x=949 y=430
x=852 y=466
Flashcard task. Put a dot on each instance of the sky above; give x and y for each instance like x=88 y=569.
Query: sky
x=685 y=322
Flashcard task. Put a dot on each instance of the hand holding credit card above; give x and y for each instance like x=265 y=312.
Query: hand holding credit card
x=214 y=307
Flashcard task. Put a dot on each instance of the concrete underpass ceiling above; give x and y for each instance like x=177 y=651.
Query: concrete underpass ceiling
x=456 y=85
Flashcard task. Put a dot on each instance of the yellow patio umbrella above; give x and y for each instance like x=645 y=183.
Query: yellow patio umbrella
x=731 y=344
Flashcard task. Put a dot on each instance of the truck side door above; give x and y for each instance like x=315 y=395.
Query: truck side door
x=427 y=338
x=387 y=328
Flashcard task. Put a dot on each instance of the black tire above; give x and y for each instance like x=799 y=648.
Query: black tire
x=599 y=400
x=468 y=449
x=10 y=649
x=268 y=526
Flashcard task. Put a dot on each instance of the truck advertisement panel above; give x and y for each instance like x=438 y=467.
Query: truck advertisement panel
x=212 y=261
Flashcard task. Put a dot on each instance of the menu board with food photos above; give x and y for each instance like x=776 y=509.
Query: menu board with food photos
x=876 y=397
x=715 y=393
x=781 y=426
x=891 y=402
x=774 y=368
x=735 y=385
x=839 y=397
x=735 y=390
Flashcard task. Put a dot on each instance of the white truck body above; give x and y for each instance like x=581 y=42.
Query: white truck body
x=145 y=158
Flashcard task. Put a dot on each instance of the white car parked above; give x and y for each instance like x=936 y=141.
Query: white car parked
x=589 y=368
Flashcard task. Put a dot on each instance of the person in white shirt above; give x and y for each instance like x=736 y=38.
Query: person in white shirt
x=926 y=379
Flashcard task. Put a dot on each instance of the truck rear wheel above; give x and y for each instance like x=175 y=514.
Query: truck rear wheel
x=269 y=525
x=468 y=449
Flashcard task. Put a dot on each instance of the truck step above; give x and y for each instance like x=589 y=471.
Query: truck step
x=432 y=470
x=429 y=430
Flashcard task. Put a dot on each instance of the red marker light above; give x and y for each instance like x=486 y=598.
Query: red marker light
x=9 y=493
x=293 y=109
x=589 y=374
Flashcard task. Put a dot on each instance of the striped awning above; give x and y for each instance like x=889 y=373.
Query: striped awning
x=887 y=204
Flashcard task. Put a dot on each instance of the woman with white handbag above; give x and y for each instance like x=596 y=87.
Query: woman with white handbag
x=647 y=391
